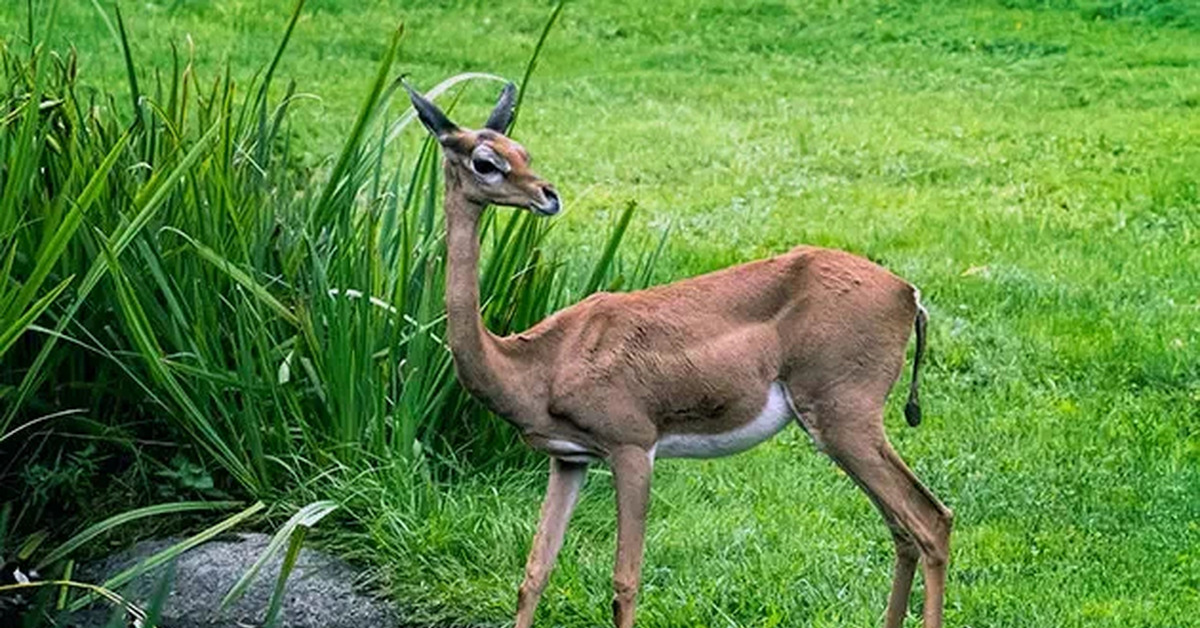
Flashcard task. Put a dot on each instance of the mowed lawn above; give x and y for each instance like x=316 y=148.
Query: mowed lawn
x=1033 y=166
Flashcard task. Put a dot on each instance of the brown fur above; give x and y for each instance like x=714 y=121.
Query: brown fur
x=608 y=377
x=716 y=342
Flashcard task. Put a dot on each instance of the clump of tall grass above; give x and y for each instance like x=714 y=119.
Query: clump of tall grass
x=168 y=259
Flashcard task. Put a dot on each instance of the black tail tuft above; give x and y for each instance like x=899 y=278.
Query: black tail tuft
x=912 y=409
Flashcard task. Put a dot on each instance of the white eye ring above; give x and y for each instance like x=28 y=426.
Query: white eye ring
x=484 y=167
x=488 y=166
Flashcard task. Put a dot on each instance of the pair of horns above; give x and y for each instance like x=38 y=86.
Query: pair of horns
x=441 y=126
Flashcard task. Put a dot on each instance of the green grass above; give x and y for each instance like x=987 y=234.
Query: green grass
x=1030 y=165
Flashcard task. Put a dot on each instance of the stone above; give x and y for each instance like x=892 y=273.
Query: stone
x=320 y=593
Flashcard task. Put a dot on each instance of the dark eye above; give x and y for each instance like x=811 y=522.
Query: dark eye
x=484 y=167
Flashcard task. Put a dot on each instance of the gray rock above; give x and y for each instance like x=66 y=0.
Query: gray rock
x=319 y=594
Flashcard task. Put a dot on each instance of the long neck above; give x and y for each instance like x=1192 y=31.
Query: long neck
x=478 y=356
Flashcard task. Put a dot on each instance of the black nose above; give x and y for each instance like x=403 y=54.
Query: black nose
x=553 y=204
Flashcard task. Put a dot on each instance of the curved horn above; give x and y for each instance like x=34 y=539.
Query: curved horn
x=430 y=115
x=502 y=115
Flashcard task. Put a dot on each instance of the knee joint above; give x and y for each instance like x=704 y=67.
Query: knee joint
x=936 y=558
x=945 y=522
x=532 y=585
x=906 y=547
x=936 y=554
x=624 y=590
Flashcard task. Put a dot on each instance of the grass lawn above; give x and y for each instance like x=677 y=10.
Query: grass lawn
x=1032 y=166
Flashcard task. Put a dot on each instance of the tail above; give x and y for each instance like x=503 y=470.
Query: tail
x=912 y=409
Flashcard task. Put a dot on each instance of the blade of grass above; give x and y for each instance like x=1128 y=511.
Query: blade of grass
x=173 y=552
x=107 y=22
x=13 y=330
x=195 y=420
x=533 y=59
x=134 y=94
x=306 y=517
x=118 y=242
x=95 y=530
x=270 y=73
x=93 y=590
x=295 y=544
x=240 y=276
x=604 y=263
x=323 y=209
x=53 y=251
x=68 y=571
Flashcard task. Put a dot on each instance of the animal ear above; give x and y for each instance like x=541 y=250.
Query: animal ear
x=432 y=117
x=502 y=115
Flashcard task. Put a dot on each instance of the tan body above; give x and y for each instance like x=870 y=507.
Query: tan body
x=705 y=366
x=717 y=342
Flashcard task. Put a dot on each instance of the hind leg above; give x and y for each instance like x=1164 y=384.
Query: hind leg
x=907 y=555
x=852 y=434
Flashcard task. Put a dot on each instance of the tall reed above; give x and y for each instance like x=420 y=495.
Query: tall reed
x=169 y=259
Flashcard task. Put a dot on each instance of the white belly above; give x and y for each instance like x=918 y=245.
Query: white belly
x=569 y=451
x=774 y=416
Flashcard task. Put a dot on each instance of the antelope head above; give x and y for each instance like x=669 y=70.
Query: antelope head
x=487 y=165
